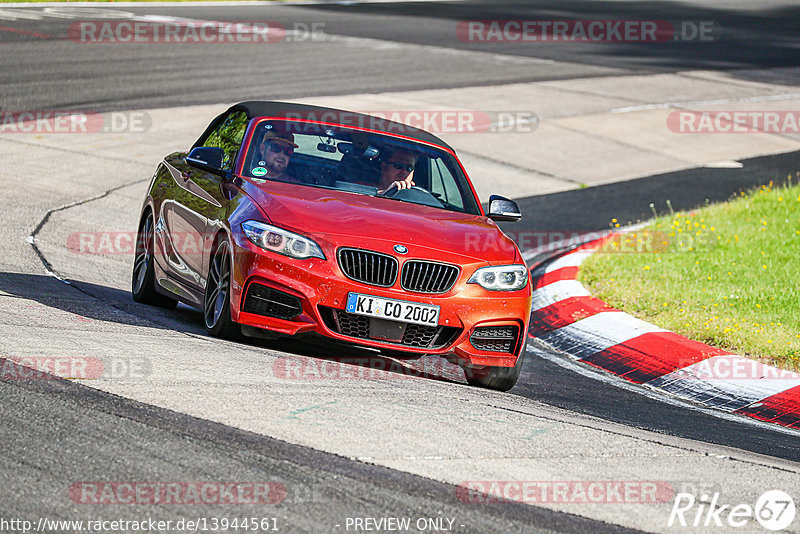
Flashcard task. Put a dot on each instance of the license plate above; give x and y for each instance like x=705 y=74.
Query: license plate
x=393 y=310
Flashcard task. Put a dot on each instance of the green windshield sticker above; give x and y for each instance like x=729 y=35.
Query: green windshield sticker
x=259 y=171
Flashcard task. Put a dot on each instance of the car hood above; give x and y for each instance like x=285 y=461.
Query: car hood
x=347 y=219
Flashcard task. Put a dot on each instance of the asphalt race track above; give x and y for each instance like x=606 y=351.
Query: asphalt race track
x=186 y=408
x=46 y=74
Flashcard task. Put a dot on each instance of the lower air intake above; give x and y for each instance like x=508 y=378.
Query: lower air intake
x=269 y=302
x=495 y=338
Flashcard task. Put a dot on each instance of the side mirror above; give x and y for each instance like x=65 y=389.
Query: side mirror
x=503 y=209
x=207 y=158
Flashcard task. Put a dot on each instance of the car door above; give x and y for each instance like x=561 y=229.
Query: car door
x=199 y=204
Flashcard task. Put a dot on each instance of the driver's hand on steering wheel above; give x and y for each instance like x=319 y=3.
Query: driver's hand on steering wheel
x=408 y=183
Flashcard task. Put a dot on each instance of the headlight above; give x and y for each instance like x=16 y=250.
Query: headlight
x=281 y=241
x=501 y=278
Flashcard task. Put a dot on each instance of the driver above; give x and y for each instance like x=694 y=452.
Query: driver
x=276 y=151
x=397 y=170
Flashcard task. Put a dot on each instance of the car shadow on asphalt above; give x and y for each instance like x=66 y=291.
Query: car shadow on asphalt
x=86 y=302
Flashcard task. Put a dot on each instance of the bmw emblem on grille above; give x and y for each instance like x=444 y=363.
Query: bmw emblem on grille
x=400 y=249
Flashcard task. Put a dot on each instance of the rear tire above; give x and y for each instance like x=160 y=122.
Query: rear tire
x=217 y=299
x=143 y=279
x=497 y=378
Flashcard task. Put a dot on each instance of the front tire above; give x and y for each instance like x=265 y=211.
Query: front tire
x=143 y=285
x=217 y=300
x=497 y=378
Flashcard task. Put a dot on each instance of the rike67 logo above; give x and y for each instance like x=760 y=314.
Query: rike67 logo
x=774 y=510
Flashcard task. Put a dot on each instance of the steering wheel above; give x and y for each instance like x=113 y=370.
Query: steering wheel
x=414 y=194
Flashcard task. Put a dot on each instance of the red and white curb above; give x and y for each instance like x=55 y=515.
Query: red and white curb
x=566 y=317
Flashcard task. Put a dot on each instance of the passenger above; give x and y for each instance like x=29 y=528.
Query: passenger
x=276 y=152
x=397 y=171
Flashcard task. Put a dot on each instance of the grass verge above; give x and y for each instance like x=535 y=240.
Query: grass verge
x=726 y=274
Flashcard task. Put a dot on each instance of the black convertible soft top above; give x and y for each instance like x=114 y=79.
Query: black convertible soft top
x=337 y=116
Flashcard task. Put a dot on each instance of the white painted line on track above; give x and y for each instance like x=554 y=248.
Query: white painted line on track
x=724 y=164
x=693 y=103
x=381 y=44
x=371 y=42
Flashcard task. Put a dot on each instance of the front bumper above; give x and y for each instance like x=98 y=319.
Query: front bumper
x=319 y=291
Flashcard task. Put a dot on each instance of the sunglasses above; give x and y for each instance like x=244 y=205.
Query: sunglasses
x=408 y=167
x=275 y=147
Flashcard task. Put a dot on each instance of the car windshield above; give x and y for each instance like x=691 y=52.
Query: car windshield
x=365 y=163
